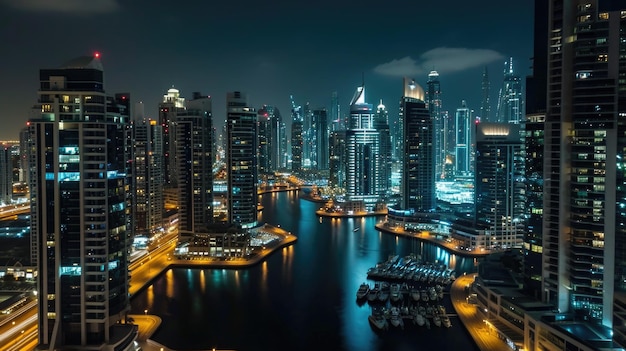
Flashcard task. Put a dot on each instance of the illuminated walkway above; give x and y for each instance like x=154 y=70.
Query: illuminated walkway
x=485 y=338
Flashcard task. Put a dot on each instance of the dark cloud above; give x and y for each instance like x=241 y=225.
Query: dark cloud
x=65 y=6
x=442 y=59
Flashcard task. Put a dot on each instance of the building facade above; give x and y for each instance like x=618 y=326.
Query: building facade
x=417 y=187
x=464 y=143
x=241 y=161
x=80 y=188
x=584 y=237
x=499 y=184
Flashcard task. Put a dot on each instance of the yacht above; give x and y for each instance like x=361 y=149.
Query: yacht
x=395 y=293
x=419 y=319
x=437 y=320
x=372 y=295
x=446 y=321
x=396 y=318
x=363 y=291
x=378 y=320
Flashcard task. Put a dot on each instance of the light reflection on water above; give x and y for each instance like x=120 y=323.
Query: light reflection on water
x=301 y=296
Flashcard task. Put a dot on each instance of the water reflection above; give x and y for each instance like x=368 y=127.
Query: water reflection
x=303 y=295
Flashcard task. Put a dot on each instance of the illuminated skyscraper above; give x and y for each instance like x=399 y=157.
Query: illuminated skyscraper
x=80 y=196
x=433 y=98
x=337 y=153
x=417 y=186
x=464 y=148
x=168 y=109
x=485 y=106
x=6 y=174
x=363 y=177
x=381 y=124
x=271 y=131
x=499 y=183
x=193 y=160
x=241 y=161
x=147 y=205
x=320 y=125
x=584 y=203
x=510 y=97
x=296 y=136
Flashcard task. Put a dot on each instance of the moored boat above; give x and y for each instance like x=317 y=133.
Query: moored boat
x=445 y=320
x=363 y=291
x=378 y=320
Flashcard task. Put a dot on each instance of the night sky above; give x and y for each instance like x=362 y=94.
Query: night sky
x=267 y=49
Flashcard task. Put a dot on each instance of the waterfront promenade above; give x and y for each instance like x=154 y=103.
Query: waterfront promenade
x=485 y=338
x=148 y=324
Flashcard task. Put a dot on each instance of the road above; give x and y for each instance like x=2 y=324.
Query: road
x=484 y=338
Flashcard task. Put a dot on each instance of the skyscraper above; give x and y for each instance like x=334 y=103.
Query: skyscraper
x=337 y=153
x=463 y=151
x=169 y=107
x=147 y=205
x=193 y=156
x=241 y=161
x=534 y=142
x=485 y=105
x=296 y=136
x=79 y=187
x=363 y=179
x=320 y=124
x=271 y=136
x=584 y=203
x=499 y=183
x=381 y=124
x=433 y=98
x=417 y=186
x=6 y=174
x=510 y=96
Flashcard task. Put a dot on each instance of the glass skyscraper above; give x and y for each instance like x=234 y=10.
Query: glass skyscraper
x=241 y=161
x=80 y=195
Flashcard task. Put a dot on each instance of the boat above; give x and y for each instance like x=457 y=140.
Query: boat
x=383 y=293
x=363 y=291
x=424 y=295
x=395 y=295
x=445 y=320
x=396 y=318
x=415 y=293
x=437 y=320
x=356 y=229
x=419 y=319
x=372 y=295
x=378 y=320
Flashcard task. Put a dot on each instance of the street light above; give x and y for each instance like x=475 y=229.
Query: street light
x=145 y=312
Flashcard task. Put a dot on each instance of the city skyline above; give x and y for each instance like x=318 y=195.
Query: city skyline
x=274 y=50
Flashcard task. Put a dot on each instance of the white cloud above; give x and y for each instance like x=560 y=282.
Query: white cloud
x=65 y=6
x=443 y=60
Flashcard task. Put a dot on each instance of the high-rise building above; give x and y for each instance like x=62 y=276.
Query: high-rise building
x=271 y=139
x=464 y=143
x=363 y=177
x=335 y=113
x=171 y=104
x=510 y=96
x=433 y=98
x=485 y=105
x=584 y=203
x=417 y=186
x=337 y=153
x=6 y=174
x=193 y=156
x=147 y=177
x=241 y=161
x=534 y=151
x=381 y=124
x=80 y=196
x=296 y=136
x=499 y=184
x=320 y=125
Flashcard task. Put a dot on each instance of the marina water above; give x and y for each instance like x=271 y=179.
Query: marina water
x=302 y=296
